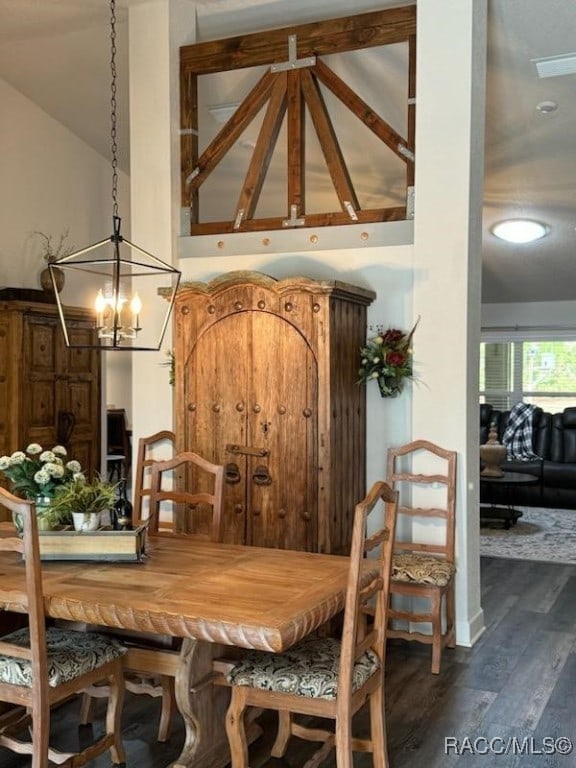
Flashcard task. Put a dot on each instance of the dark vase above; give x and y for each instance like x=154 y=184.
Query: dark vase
x=122 y=518
x=389 y=386
x=46 y=280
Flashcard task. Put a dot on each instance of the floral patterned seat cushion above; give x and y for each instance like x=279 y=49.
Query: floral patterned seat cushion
x=70 y=654
x=421 y=569
x=309 y=669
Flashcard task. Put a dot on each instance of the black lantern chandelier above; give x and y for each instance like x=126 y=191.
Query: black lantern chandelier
x=124 y=287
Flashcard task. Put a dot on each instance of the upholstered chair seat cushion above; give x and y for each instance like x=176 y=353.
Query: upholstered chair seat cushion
x=308 y=669
x=421 y=569
x=70 y=654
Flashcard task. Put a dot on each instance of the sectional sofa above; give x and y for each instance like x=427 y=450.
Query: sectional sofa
x=554 y=441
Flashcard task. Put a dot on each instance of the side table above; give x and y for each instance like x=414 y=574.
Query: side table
x=507 y=514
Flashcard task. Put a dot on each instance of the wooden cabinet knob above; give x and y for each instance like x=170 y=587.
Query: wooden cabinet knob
x=282 y=513
x=281 y=409
x=240 y=406
x=257 y=408
x=238 y=509
x=216 y=407
x=307 y=412
x=191 y=406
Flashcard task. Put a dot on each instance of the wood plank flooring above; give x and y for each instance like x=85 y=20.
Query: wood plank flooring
x=517 y=683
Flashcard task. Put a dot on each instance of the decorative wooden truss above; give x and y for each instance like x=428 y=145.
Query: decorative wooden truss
x=289 y=87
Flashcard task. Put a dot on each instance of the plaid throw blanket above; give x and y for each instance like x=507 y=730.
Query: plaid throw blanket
x=517 y=436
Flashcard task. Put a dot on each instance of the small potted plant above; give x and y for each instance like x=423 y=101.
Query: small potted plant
x=82 y=502
x=52 y=252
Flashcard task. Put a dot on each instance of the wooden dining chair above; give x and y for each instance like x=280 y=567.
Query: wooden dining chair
x=323 y=676
x=40 y=666
x=423 y=565
x=150 y=667
x=148 y=449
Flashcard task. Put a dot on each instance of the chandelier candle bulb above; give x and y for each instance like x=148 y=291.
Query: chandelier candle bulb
x=136 y=307
x=100 y=306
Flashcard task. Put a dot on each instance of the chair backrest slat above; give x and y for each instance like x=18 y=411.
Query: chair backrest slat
x=423 y=511
x=414 y=546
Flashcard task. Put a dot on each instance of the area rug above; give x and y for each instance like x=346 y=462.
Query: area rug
x=540 y=534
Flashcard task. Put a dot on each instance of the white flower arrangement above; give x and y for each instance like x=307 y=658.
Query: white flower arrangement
x=36 y=472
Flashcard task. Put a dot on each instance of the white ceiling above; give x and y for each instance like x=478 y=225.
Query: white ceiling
x=56 y=52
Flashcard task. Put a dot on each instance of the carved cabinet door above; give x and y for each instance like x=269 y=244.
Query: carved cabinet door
x=252 y=384
x=63 y=402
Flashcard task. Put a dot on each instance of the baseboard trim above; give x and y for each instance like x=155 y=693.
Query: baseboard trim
x=468 y=632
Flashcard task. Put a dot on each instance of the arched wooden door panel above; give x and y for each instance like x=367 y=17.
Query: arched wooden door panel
x=253 y=386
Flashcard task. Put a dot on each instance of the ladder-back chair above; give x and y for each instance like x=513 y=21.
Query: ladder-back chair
x=41 y=667
x=151 y=668
x=323 y=676
x=148 y=449
x=423 y=565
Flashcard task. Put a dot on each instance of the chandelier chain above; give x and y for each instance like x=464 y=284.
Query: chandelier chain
x=114 y=144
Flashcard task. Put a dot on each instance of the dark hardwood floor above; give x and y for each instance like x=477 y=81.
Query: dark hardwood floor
x=513 y=689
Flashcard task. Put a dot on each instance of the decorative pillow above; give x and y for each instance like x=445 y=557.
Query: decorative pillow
x=422 y=569
x=308 y=669
x=70 y=654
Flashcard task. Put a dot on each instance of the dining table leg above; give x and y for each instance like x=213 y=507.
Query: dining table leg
x=203 y=712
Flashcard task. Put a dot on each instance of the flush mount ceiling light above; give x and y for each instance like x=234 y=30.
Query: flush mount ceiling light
x=120 y=281
x=520 y=230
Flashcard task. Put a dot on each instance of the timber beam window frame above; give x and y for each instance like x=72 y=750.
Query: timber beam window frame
x=288 y=87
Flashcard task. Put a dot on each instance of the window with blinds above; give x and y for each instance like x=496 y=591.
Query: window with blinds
x=537 y=371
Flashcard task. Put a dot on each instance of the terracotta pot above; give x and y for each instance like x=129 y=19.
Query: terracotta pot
x=46 y=280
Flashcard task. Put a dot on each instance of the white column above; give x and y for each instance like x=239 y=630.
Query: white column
x=451 y=41
x=157 y=30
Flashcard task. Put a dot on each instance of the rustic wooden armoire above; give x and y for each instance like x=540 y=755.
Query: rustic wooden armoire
x=266 y=384
x=49 y=394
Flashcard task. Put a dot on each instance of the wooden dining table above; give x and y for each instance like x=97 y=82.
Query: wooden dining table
x=214 y=596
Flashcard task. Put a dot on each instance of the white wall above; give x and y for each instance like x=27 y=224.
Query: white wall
x=51 y=181
x=536 y=314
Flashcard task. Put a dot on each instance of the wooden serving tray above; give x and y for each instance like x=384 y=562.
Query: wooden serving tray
x=108 y=545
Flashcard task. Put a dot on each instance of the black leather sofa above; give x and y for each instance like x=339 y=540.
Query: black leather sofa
x=554 y=441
